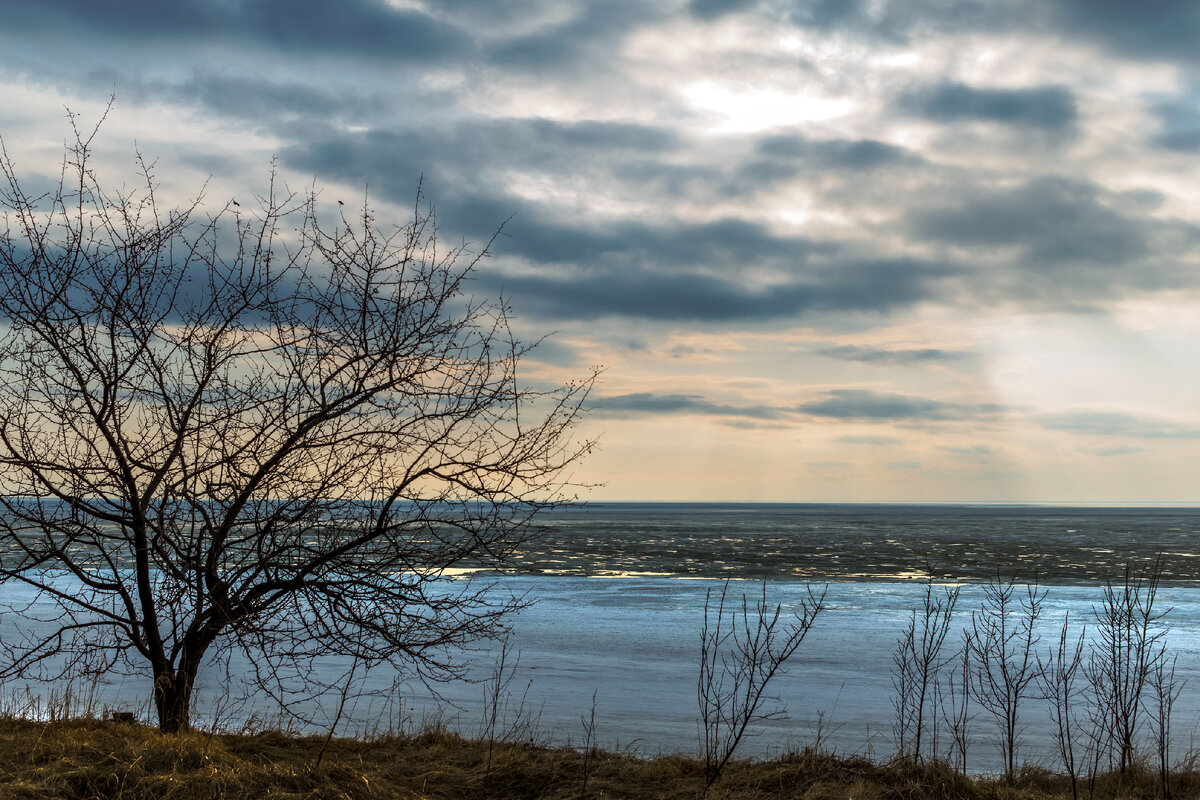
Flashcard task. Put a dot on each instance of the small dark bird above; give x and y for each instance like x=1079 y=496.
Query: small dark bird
x=236 y=203
x=340 y=203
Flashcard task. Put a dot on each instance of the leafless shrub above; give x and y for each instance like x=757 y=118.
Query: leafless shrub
x=955 y=705
x=916 y=664
x=506 y=717
x=1166 y=688
x=1057 y=678
x=1125 y=653
x=741 y=650
x=1003 y=640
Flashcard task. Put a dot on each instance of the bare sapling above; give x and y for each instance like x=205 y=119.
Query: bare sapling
x=1004 y=637
x=916 y=664
x=741 y=650
x=343 y=701
x=955 y=704
x=503 y=718
x=1125 y=654
x=1165 y=688
x=589 y=742
x=1057 y=678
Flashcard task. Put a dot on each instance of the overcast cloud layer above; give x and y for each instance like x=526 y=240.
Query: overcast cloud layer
x=827 y=250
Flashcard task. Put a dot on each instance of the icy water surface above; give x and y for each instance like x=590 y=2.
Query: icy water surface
x=864 y=542
x=619 y=593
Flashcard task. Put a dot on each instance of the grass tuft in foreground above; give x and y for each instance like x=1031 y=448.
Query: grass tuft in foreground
x=93 y=759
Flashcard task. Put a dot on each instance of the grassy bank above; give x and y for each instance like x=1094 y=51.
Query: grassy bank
x=95 y=759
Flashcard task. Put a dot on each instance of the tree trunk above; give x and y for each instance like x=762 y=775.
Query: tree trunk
x=173 y=699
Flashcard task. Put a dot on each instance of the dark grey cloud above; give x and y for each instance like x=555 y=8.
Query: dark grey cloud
x=873 y=287
x=361 y=28
x=1155 y=30
x=882 y=355
x=1046 y=107
x=640 y=245
x=251 y=98
x=464 y=158
x=714 y=9
x=586 y=39
x=1117 y=423
x=1051 y=220
x=628 y=267
x=845 y=154
x=864 y=404
x=649 y=403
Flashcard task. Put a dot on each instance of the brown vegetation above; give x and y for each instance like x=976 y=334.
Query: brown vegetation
x=87 y=758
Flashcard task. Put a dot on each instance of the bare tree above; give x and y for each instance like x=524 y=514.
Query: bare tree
x=916 y=664
x=1125 y=654
x=261 y=429
x=1057 y=676
x=741 y=650
x=1003 y=638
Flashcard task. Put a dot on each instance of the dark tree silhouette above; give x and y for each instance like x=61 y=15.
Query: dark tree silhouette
x=260 y=429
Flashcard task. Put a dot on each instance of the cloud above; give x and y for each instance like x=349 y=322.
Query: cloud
x=897 y=22
x=970 y=450
x=585 y=40
x=685 y=294
x=881 y=355
x=648 y=403
x=868 y=439
x=1156 y=30
x=1053 y=220
x=361 y=28
x=864 y=404
x=630 y=244
x=1180 y=121
x=1115 y=450
x=1118 y=423
x=1046 y=107
x=252 y=98
x=851 y=154
x=713 y=9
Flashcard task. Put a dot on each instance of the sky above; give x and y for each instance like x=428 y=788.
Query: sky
x=825 y=250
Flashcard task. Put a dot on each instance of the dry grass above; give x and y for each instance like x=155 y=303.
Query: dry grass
x=93 y=759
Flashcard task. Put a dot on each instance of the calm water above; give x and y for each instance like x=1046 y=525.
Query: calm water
x=619 y=593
